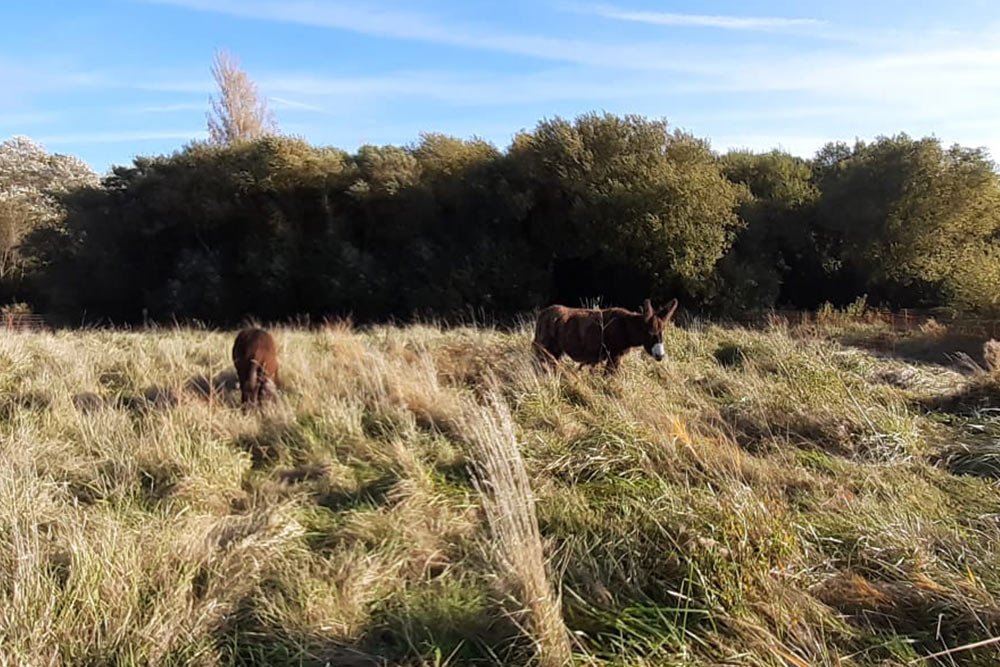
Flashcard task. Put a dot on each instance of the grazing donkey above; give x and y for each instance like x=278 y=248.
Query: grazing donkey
x=592 y=336
x=256 y=360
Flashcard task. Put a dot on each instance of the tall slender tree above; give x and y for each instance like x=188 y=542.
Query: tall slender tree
x=240 y=113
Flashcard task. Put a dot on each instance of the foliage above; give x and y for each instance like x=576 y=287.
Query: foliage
x=773 y=251
x=30 y=180
x=626 y=207
x=598 y=209
x=973 y=284
x=908 y=220
x=275 y=227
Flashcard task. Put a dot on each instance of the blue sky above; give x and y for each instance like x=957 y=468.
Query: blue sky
x=107 y=80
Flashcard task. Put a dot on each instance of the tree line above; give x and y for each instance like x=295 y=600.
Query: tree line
x=601 y=208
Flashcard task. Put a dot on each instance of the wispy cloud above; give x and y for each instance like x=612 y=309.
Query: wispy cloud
x=938 y=82
x=169 y=108
x=168 y=85
x=952 y=78
x=15 y=119
x=121 y=137
x=282 y=103
x=398 y=24
x=481 y=88
x=750 y=77
x=21 y=80
x=700 y=20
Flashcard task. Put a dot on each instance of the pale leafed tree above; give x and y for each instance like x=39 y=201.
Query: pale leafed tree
x=30 y=180
x=240 y=113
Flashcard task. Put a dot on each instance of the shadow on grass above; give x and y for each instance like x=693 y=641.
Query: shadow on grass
x=307 y=472
x=31 y=401
x=763 y=433
x=972 y=416
x=930 y=617
x=250 y=637
x=370 y=493
x=978 y=398
x=214 y=388
x=433 y=623
x=951 y=350
x=275 y=442
x=88 y=402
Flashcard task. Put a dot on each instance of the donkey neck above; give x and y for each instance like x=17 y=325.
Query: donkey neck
x=629 y=325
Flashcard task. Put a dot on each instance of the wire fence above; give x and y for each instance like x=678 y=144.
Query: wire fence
x=897 y=320
x=902 y=321
x=23 y=322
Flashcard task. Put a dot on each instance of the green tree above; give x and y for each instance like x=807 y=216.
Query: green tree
x=479 y=257
x=773 y=255
x=629 y=207
x=211 y=232
x=899 y=215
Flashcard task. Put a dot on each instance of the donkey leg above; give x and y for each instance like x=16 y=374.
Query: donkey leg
x=611 y=365
x=546 y=355
x=248 y=385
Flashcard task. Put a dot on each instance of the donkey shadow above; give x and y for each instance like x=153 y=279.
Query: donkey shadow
x=220 y=387
x=151 y=398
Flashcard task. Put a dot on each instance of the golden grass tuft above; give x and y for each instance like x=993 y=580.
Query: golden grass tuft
x=515 y=542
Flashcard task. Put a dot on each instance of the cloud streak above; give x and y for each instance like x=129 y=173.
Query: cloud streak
x=731 y=75
x=461 y=90
x=282 y=103
x=416 y=27
x=170 y=108
x=121 y=136
x=945 y=84
x=701 y=20
x=13 y=119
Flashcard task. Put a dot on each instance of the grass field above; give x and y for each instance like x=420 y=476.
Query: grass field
x=821 y=496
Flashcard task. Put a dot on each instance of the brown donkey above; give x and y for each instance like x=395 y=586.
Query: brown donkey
x=256 y=360
x=592 y=336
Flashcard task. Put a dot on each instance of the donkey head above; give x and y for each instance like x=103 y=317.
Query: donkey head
x=655 y=322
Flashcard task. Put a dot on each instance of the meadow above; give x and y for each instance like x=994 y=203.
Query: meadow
x=823 y=494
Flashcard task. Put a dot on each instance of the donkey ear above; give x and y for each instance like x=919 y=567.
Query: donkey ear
x=647 y=309
x=669 y=310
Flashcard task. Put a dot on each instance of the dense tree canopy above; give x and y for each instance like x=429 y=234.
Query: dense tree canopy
x=623 y=207
x=602 y=208
x=899 y=218
x=773 y=255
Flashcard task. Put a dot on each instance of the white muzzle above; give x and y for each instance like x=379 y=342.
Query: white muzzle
x=659 y=352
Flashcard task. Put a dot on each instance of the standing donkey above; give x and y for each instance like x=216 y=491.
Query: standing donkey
x=256 y=359
x=592 y=336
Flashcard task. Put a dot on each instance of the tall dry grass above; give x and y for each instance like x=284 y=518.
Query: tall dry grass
x=761 y=498
x=516 y=544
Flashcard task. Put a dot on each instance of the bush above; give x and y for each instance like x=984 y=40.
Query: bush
x=275 y=228
x=603 y=207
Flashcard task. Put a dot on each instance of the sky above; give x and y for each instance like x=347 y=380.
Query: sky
x=108 y=80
